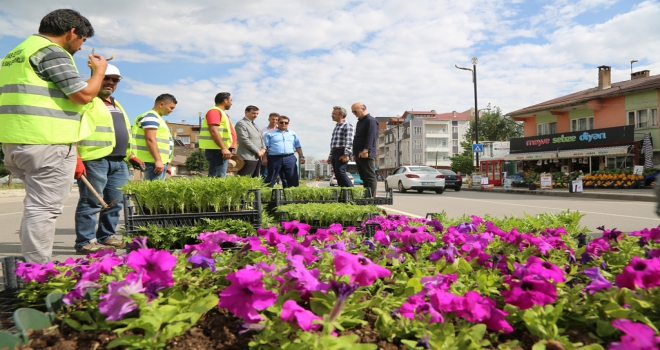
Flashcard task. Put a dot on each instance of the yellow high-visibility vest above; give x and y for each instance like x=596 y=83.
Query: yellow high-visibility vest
x=224 y=129
x=35 y=111
x=102 y=141
x=163 y=137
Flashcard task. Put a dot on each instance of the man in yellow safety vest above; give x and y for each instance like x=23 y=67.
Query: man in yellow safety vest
x=217 y=135
x=152 y=140
x=44 y=110
x=103 y=154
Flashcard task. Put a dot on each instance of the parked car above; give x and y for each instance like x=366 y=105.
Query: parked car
x=4 y=180
x=418 y=178
x=333 y=181
x=452 y=180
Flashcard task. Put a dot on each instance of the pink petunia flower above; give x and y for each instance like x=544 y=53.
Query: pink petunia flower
x=254 y=244
x=35 y=271
x=641 y=273
x=545 y=269
x=360 y=269
x=205 y=249
x=118 y=302
x=637 y=336
x=219 y=237
x=291 y=311
x=246 y=295
x=297 y=228
x=530 y=291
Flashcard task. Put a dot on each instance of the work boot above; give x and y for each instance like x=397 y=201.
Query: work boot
x=114 y=242
x=92 y=248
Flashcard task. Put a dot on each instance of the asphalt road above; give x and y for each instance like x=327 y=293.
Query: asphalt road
x=624 y=215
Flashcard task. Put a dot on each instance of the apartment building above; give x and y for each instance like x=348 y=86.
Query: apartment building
x=186 y=133
x=597 y=128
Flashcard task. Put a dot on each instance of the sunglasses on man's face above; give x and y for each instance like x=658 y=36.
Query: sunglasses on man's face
x=285 y=123
x=114 y=80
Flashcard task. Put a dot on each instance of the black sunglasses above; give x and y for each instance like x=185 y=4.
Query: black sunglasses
x=284 y=122
x=115 y=80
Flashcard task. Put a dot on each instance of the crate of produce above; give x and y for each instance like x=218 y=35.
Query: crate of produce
x=137 y=216
x=347 y=196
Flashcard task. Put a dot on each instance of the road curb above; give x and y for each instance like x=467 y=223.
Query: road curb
x=615 y=196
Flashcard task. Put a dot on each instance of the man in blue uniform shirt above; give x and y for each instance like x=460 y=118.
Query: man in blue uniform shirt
x=281 y=145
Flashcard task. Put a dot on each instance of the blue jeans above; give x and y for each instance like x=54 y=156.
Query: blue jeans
x=217 y=165
x=286 y=166
x=106 y=176
x=149 y=172
x=340 y=169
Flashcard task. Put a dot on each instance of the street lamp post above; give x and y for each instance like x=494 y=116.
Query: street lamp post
x=201 y=161
x=476 y=110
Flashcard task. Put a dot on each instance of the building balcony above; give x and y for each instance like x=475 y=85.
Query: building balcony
x=437 y=134
x=437 y=148
x=444 y=162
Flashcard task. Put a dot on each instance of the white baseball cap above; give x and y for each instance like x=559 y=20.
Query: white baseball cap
x=112 y=70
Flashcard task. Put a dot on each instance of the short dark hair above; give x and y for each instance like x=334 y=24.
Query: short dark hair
x=251 y=108
x=274 y=114
x=166 y=98
x=221 y=97
x=59 y=22
x=285 y=117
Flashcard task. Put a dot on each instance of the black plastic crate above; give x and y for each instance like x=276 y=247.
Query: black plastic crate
x=367 y=229
x=347 y=197
x=279 y=198
x=9 y=286
x=136 y=217
x=9 y=280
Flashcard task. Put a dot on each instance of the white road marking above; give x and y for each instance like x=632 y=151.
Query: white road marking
x=21 y=213
x=560 y=209
x=400 y=212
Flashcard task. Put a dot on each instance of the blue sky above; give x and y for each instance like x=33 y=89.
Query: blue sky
x=301 y=58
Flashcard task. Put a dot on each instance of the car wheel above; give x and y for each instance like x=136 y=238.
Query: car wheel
x=420 y=191
x=387 y=188
x=440 y=191
x=458 y=188
x=401 y=189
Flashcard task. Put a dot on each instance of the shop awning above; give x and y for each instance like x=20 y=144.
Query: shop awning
x=531 y=155
x=594 y=152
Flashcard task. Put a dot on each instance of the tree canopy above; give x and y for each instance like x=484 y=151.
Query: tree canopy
x=493 y=126
x=463 y=162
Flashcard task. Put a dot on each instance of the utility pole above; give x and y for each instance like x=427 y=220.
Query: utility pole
x=201 y=161
x=476 y=109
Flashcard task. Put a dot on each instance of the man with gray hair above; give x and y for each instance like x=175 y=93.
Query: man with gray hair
x=341 y=146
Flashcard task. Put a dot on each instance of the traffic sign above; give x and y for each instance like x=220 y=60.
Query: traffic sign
x=477 y=148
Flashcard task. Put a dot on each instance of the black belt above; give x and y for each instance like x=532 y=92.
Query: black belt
x=281 y=155
x=114 y=158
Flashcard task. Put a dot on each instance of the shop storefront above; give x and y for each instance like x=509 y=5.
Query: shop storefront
x=584 y=151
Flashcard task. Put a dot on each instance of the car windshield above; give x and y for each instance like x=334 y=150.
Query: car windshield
x=446 y=172
x=422 y=169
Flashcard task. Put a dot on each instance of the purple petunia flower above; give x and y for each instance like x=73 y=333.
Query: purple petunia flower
x=360 y=269
x=291 y=311
x=598 y=281
x=138 y=243
x=35 y=271
x=199 y=260
x=530 y=291
x=448 y=251
x=118 y=302
x=305 y=281
x=79 y=291
x=416 y=306
x=298 y=250
x=545 y=269
x=637 y=336
x=297 y=228
x=640 y=273
x=246 y=295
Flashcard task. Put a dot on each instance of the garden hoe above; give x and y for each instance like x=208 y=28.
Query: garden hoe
x=104 y=205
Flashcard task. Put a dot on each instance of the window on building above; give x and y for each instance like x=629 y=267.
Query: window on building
x=443 y=130
x=417 y=144
x=417 y=130
x=454 y=122
x=454 y=129
x=184 y=139
x=433 y=142
x=546 y=128
x=643 y=118
x=619 y=162
x=454 y=143
x=418 y=158
x=581 y=124
x=179 y=129
x=431 y=156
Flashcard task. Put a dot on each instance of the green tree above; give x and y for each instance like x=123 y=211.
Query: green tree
x=493 y=126
x=192 y=162
x=463 y=162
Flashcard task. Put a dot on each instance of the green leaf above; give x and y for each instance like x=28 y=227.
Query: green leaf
x=413 y=286
x=73 y=324
x=126 y=340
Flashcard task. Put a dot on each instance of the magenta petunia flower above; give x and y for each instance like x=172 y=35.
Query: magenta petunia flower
x=637 y=336
x=246 y=295
x=411 y=310
x=254 y=244
x=79 y=291
x=118 y=302
x=641 y=273
x=439 y=281
x=291 y=311
x=298 y=250
x=477 y=242
x=297 y=228
x=138 y=243
x=205 y=249
x=382 y=238
x=598 y=281
x=360 y=269
x=305 y=281
x=530 y=291
x=35 y=271
x=545 y=269
x=446 y=302
x=219 y=237
x=155 y=266
x=598 y=246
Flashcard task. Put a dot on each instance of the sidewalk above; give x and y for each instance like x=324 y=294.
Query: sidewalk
x=639 y=195
x=21 y=192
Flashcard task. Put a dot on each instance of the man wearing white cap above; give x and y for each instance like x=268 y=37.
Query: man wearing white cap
x=103 y=157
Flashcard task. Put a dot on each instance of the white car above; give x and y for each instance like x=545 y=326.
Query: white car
x=4 y=180
x=333 y=181
x=413 y=177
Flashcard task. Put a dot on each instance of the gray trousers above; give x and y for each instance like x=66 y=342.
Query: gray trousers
x=47 y=172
